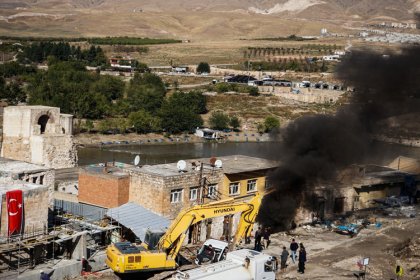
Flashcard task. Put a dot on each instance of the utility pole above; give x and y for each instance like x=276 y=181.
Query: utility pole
x=201 y=201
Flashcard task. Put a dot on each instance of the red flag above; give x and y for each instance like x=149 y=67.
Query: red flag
x=14 y=200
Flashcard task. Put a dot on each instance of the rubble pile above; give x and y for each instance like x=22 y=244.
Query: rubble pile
x=409 y=254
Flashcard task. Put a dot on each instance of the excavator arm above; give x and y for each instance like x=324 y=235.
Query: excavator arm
x=170 y=241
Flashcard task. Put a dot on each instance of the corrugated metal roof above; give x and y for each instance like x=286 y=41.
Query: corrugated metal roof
x=138 y=219
x=90 y=212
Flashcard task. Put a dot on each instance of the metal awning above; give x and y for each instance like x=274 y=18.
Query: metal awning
x=138 y=219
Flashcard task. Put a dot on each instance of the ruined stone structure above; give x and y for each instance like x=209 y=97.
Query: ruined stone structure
x=15 y=170
x=36 y=202
x=359 y=187
x=40 y=135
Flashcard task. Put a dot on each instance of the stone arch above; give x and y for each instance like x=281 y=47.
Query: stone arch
x=42 y=122
x=44 y=119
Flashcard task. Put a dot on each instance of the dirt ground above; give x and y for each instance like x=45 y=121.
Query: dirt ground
x=334 y=256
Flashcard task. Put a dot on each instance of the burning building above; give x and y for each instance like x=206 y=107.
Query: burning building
x=316 y=149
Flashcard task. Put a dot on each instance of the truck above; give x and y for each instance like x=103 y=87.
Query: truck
x=159 y=250
x=242 y=264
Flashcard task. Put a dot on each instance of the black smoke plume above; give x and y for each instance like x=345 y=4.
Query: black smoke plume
x=313 y=149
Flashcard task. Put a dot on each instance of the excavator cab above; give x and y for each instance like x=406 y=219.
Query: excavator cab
x=151 y=238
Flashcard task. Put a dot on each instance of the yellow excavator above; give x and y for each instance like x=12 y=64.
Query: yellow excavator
x=159 y=250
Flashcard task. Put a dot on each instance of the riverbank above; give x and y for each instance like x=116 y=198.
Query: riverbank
x=101 y=140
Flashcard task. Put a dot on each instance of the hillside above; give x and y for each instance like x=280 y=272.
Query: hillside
x=205 y=19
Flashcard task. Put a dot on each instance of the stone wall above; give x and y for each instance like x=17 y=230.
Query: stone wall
x=59 y=151
x=307 y=95
x=16 y=148
x=36 y=202
x=103 y=190
x=38 y=134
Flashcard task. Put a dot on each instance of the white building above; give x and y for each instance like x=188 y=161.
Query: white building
x=207 y=133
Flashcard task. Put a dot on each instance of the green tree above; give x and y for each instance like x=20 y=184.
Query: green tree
x=260 y=128
x=234 y=122
x=68 y=85
x=146 y=92
x=222 y=87
x=12 y=92
x=253 y=91
x=176 y=119
x=218 y=120
x=271 y=123
x=203 y=67
x=143 y=122
x=122 y=124
x=194 y=100
x=111 y=87
x=88 y=125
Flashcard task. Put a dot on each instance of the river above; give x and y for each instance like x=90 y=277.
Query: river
x=382 y=153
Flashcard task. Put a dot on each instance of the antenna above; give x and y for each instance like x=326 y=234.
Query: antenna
x=181 y=165
x=218 y=163
x=137 y=160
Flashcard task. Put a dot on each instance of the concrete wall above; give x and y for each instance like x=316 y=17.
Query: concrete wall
x=17 y=122
x=36 y=202
x=368 y=194
x=103 y=190
x=66 y=122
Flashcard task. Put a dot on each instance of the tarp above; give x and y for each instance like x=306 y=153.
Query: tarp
x=14 y=200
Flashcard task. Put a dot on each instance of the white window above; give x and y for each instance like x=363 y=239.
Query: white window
x=176 y=196
x=251 y=186
x=212 y=190
x=234 y=188
x=193 y=193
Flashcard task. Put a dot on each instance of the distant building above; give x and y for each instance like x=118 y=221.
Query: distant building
x=121 y=63
x=207 y=133
x=180 y=69
x=334 y=57
x=39 y=135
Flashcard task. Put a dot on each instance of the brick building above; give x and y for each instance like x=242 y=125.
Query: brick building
x=105 y=186
x=166 y=190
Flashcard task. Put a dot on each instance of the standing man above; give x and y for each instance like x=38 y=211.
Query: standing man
x=258 y=236
x=266 y=236
x=399 y=272
x=226 y=228
x=302 y=258
x=283 y=259
x=293 y=248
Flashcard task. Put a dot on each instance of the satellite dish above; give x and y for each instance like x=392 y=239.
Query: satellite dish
x=218 y=163
x=181 y=165
x=137 y=160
